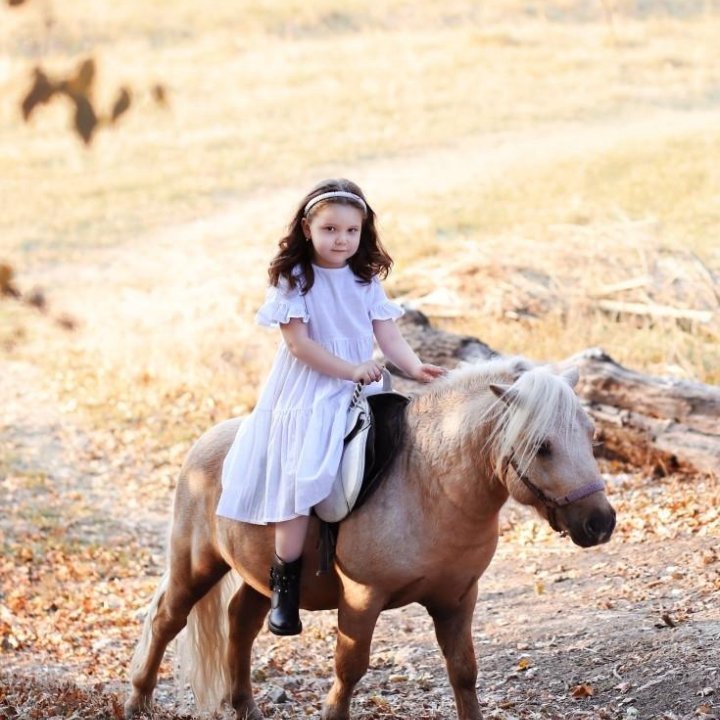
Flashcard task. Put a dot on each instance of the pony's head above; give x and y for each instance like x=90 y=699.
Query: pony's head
x=541 y=442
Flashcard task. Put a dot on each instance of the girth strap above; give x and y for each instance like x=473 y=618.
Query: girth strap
x=326 y=546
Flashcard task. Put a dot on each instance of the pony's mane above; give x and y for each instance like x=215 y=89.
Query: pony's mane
x=541 y=401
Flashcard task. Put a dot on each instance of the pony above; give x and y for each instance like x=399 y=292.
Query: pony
x=483 y=433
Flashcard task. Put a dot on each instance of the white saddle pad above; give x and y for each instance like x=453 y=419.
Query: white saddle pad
x=350 y=475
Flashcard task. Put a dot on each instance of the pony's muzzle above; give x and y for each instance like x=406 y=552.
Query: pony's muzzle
x=592 y=527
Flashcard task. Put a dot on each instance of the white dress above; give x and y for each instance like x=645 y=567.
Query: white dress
x=286 y=454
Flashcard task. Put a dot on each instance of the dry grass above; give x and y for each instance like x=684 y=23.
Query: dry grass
x=250 y=107
x=582 y=226
x=494 y=137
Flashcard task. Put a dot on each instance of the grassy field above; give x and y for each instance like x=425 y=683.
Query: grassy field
x=541 y=140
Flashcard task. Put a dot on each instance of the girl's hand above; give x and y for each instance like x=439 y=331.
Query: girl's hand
x=427 y=373
x=368 y=372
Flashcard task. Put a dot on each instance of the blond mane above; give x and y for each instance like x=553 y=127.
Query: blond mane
x=540 y=402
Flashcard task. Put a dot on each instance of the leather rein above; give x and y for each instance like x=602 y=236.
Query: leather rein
x=552 y=505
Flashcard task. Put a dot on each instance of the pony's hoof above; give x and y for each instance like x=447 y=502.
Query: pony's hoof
x=136 y=705
x=244 y=706
x=249 y=713
x=332 y=712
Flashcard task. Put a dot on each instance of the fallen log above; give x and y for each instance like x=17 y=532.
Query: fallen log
x=651 y=422
x=668 y=423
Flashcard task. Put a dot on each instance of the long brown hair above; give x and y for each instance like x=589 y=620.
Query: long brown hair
x=371 y=258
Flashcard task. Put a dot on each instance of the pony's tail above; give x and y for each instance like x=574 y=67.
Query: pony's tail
x=201 y=648
x=146 y=636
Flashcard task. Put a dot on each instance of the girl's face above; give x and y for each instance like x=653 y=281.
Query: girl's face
x=334 y=231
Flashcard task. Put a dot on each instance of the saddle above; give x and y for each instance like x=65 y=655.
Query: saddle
x=373 y=433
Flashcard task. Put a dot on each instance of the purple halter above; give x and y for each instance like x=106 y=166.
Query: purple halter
x=554 y=504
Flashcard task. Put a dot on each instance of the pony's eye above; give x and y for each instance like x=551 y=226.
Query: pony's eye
x=545 y=449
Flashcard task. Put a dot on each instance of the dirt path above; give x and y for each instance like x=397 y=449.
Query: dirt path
x=209 y=257
x=627 y=630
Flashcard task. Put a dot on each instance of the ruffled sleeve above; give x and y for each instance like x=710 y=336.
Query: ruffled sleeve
x=380 y=307
x=281 y=304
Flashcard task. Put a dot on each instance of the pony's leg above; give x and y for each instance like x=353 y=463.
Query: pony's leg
x=168 y=619
x=357 y=614
x=453 y=629
x=247 y=611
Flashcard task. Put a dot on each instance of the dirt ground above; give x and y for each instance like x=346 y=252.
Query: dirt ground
x=630 y=629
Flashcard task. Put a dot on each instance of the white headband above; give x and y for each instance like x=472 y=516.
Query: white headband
x=335 y=194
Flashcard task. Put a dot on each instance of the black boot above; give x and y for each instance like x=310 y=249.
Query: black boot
x=285 y=602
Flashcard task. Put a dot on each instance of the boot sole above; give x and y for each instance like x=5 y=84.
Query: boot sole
x=284 y=632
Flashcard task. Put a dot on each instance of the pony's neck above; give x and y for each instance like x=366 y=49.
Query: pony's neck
x=446 y=455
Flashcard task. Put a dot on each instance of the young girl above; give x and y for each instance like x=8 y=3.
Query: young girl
x=326 y=297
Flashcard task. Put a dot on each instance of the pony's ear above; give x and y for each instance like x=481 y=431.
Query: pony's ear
x=571 y=376
x=520 y=366
x=507 y=393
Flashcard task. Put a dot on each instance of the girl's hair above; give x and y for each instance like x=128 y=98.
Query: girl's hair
x=371 y=258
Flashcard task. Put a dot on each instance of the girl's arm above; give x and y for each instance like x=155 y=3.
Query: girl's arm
x=395 y=348
x=305 y=349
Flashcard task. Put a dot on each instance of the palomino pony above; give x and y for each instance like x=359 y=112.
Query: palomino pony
x=483 y=433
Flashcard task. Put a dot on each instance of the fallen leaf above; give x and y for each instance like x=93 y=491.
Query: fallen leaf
x=582 y=691
x=159 y=94
x=85 y=118
x=122 y=103
x=39 y=94
x=81 y=83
